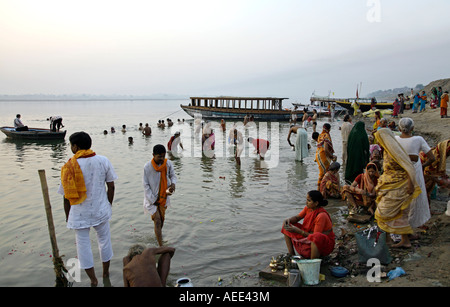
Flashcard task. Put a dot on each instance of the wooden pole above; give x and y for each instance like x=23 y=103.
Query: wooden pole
x=61 y=280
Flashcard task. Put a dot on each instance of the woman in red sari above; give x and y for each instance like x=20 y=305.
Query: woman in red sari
x=313 y=238
x=396 y=110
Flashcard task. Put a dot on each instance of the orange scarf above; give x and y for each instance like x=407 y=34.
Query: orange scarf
x=72 y=178
x=163 y=181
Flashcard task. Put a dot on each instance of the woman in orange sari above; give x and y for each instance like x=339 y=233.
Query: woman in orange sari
x=324 y=152
x=362 y=191
x=313 y=238
x=396 y=188
x=330 y=185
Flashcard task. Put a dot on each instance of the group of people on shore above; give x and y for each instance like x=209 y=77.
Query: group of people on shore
x=418 y=101
x=389 y=173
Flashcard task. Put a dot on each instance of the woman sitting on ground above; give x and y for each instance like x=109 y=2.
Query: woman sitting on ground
x=435 y=173
x=330 y=185
x=361 y=193
x=314 y=238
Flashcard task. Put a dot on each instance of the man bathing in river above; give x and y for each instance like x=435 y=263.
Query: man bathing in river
x=159 y=182
x=139 y=266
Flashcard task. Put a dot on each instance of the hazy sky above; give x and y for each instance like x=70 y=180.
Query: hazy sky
x=287 y=48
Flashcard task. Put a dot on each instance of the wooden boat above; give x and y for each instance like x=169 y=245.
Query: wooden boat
x=321 y=108
x=365 y=104
x=33 y=134
x=225 y=107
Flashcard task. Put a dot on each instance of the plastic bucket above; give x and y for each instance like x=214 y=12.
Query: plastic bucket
x=309 y=270
x=294 y=278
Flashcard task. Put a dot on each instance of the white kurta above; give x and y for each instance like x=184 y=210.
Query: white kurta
x=151 y=181
x=419 y=212
x=301 y=145
x=96 y=209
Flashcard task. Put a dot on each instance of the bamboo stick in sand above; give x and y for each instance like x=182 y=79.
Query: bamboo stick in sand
x=61 y=280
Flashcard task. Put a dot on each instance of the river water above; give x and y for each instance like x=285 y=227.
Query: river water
x=224 y=220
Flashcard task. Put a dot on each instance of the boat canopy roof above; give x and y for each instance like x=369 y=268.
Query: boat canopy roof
x=258 y=103
x=331 y=99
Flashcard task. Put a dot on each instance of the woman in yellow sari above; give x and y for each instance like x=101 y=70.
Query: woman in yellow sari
x=324 y=152
x=396 y=188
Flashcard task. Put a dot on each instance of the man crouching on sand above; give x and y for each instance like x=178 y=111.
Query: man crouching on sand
x=139 y=266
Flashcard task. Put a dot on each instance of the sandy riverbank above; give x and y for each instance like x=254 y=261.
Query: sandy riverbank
x=425 y=263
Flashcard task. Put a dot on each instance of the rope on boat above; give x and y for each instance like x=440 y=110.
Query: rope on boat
x=170 y=114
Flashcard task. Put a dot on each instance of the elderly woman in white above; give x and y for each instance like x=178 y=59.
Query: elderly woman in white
x=419 y=213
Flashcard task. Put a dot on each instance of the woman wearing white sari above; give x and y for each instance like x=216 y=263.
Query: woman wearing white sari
x=419 y=212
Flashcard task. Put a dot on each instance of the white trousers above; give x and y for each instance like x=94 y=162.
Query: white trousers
x=84 y=245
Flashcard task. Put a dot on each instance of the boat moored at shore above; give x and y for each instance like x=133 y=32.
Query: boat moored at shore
x=227 y=107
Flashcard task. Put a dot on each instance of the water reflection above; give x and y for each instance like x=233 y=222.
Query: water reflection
x=25 y=149
x=237 y=181
x=207 y=166
x=297 y=176
x=261 y=171
x=59 y=150
x=177 y=163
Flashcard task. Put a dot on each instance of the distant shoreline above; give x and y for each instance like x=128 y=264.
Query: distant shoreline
x=86 y=99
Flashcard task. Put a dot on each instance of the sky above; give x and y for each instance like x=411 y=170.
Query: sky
x=276 y=48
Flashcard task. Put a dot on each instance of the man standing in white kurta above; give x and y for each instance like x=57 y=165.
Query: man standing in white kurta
x=346 y=127
x=87 y=203
x=159 y=182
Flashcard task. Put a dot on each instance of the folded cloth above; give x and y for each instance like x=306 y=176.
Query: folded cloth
x=163 y=183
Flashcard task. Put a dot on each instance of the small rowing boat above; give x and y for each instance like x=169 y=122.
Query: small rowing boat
x=33 y=134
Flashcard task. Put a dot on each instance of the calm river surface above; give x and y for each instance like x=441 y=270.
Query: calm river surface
x=224 y=220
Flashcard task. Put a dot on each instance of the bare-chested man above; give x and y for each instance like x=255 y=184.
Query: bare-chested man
x=139 y=266
x=314 y=120
x=147 y=131
x=237 y=140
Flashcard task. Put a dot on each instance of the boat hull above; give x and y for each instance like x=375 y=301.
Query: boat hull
x=364 y=107
x=33 y=134
x=238 y=114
